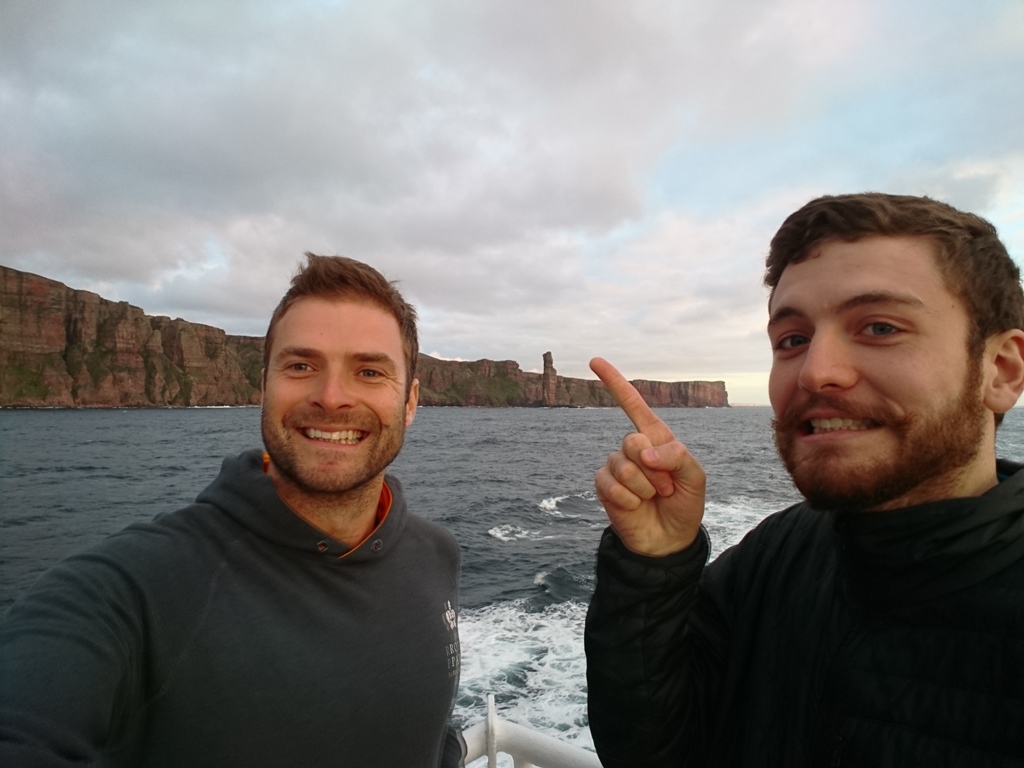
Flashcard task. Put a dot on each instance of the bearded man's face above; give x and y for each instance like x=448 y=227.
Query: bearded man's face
x=878 y=403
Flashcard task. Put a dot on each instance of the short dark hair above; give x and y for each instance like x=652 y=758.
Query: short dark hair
x=968 y=253
x=341 y=278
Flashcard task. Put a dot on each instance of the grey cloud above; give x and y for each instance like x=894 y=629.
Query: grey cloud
x=496 y=158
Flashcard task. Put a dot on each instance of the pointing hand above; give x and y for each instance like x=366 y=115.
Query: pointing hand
x=652 y=488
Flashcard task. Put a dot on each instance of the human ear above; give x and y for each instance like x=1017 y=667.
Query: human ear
x=1004 y=369
x=412 y=402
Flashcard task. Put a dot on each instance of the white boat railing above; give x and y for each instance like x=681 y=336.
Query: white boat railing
x=527 y=747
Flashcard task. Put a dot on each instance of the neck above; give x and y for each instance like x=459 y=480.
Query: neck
x=348 y=517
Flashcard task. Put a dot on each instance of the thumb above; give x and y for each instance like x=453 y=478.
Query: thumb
x=674 y=466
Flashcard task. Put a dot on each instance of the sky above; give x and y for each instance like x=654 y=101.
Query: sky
x=582 y=177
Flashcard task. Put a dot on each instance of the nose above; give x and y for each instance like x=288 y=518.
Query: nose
x=333 y=391
x=827 y=364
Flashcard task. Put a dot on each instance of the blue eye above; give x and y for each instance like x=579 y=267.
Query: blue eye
x=791 y=342
x=881 y=329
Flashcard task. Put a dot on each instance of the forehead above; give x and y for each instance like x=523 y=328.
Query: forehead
x=907 y=266
x=338 y=325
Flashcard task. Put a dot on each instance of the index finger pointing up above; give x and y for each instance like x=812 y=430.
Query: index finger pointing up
x=632 y=404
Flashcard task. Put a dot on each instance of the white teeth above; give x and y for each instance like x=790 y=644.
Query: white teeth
x=346 y=436
x=827 y=425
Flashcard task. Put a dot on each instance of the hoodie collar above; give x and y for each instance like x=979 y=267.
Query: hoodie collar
x=245 y=493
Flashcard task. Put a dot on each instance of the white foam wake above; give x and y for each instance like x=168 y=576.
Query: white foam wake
x=533 y=663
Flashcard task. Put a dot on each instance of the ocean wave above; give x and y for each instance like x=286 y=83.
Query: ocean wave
x=551 y=505
x=511 y=532
x=571 y=505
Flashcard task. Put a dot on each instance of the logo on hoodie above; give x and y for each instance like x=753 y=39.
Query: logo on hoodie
x=452 y=649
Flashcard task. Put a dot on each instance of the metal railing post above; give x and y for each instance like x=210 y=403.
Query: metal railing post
x=492 y=735
x=527 y=747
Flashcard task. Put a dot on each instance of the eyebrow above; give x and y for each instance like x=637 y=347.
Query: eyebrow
x=374 y=357
x=311 y=352
x=860 y=300
x=297 y=352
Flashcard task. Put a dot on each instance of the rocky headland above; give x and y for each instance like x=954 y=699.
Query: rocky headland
x=61 y=347
x=486 y=382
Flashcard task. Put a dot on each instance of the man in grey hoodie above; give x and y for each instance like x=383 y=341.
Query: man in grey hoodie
x=296 y=614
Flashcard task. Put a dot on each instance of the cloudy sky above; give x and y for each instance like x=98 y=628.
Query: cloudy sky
x=589 y=177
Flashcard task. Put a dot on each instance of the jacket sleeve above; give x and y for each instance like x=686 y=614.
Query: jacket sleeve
x=651 y=676
x=69 y=656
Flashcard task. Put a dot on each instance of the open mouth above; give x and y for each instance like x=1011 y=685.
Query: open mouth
x=341 y=437
x=836 y=424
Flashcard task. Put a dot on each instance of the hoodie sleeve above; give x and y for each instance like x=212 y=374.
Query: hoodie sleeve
x=70 y=664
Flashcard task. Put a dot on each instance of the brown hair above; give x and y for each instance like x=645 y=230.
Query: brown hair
x=341 y=278
x=973 y=261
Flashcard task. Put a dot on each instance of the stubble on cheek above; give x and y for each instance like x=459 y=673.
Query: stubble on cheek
x=315 y=472
x=920 y=458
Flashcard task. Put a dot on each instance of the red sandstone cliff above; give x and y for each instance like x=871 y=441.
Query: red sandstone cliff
x=64 y=347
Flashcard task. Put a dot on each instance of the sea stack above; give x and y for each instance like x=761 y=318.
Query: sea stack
x=549 y=381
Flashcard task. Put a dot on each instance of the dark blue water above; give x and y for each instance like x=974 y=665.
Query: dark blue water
x=515 y=486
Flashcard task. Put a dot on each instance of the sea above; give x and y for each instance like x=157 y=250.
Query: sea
x=514 y=485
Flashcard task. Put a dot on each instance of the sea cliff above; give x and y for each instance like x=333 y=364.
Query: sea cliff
x=486 y=382
x=61 y=347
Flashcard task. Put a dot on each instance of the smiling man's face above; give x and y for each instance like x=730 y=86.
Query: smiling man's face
x=334 y=398
x=878 y=404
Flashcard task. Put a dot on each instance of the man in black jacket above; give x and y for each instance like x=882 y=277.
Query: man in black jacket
x=880 y=622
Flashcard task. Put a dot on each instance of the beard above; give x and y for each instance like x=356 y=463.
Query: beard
x=930 y=448
x=296 y=460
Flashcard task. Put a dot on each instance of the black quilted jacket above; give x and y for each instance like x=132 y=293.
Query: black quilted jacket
x=886 y=639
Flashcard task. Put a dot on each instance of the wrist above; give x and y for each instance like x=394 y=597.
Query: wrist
x=662 y=548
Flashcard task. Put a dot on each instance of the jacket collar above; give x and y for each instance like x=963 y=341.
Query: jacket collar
x=912 y=555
